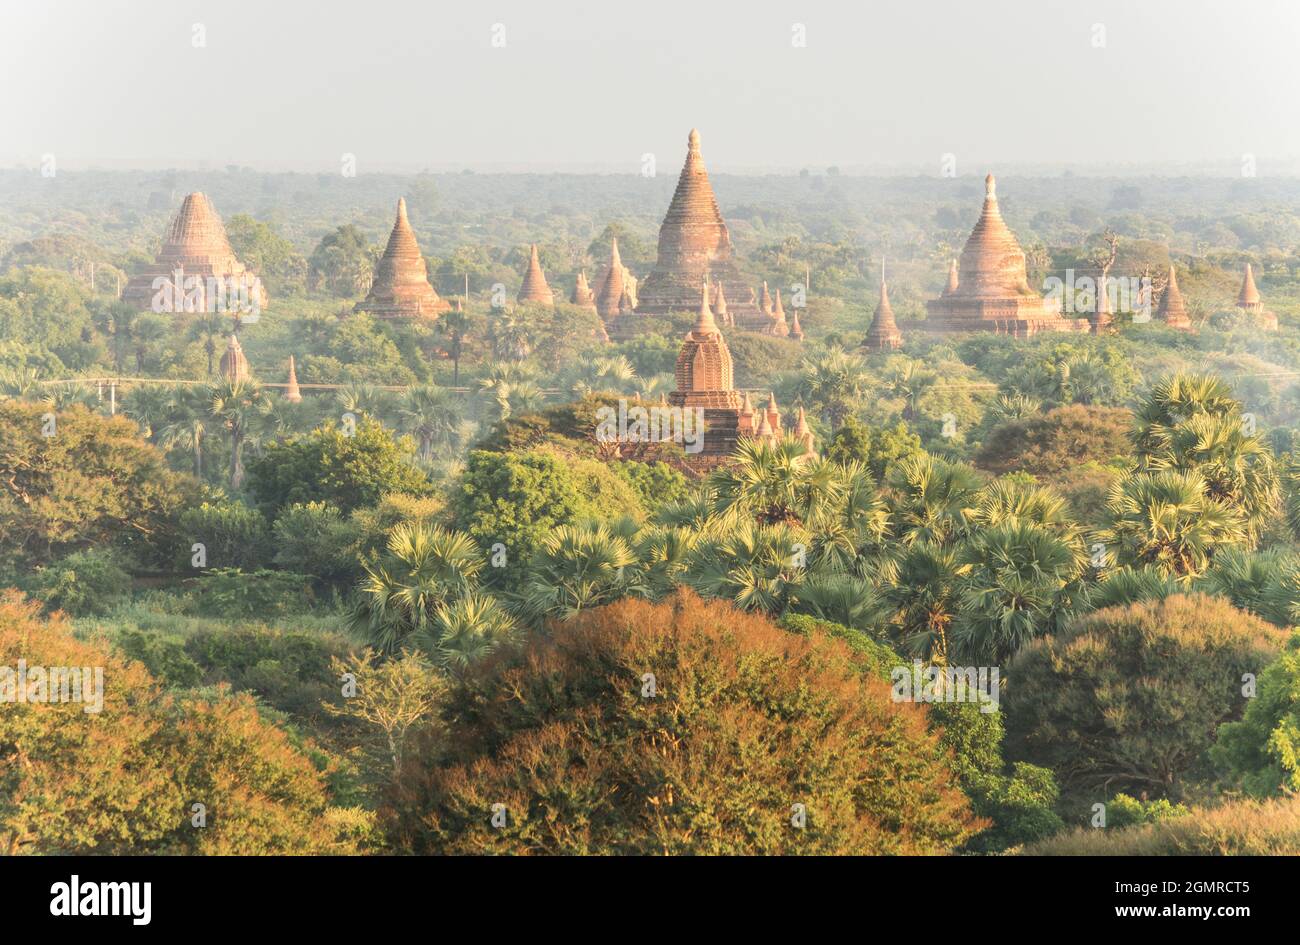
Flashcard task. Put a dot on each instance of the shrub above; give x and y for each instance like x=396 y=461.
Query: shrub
x=517 y=499
x=1125 y=811
x=326 y=465
x=290 y=670
x=1130 y=697
x=233 y=535
x=95 y=483
x=1058 y=441
x=124 y=780
x=85 y=583
x=231 y=593
x=1237 y=828
x=1261 y=753
x=747 y=720
x=313 y=538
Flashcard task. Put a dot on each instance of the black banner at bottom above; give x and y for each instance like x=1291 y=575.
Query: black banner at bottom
x=142 y=896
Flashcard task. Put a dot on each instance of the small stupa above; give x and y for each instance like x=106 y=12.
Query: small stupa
x=234 y=366
x=582 y=295
x=1172 y=310
x=291 y=391
x=777 y=325
x=535 y=291
x=883 y=335
x=401 y=287
x=1250 y=302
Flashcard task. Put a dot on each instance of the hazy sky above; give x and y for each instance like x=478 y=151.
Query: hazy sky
x=405 y=84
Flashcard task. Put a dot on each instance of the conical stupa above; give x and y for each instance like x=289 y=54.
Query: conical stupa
x=291 y=391
x=196 y=270
x=535 y=291
x=796 y=330
x=694 y=244
x=234 y=366
x=992 y=291
x=401 y=286
x=804 y=434
x=777 y=324
x=883 y=335
x=609 y=284
x=582 y=295
x=1100 y=318
x=1250 y=302
x=1172 y=309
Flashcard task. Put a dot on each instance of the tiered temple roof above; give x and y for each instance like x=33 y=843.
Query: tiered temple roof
x=704 y=380
x=1172 y=309
x=1249 y=301
x=694 y=245
x=992 y=291
x=883 y=335
x=401 y=287
x=195 y=245
x=535 y=291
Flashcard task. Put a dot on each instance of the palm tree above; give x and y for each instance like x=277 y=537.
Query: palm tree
x=1237 y=466
x=1175 y=399
x=922 y=598
x=604 y=375
x=425 y=568
x=1264 y=583
x=909 y=381
x=1129 y=585
x=465 y=630
x=1014 y=406
x=453 y=326
x=363 y=400
x=433 y=414
x=851 y=529
x=931 y=498
x=239 y=405
x=1167 y=520
x=756 y=567
x=19 y=383
x=841 y=598
x=208 y=325
x=663 y=555
x=189 y=418
x=149 y=405
x=1022 y=582
x=577 y=567
x=833 y=383
x=1004 y=500
x=773 y=482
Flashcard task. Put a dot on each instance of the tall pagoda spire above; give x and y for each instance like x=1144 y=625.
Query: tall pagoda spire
x=609 y=286
x=1173 y=310
x=534 y=289
x=883 y=335
x=778 y=326
x=694 y=243
x=291 y=391
x=1249 y=295
x=401 y=287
